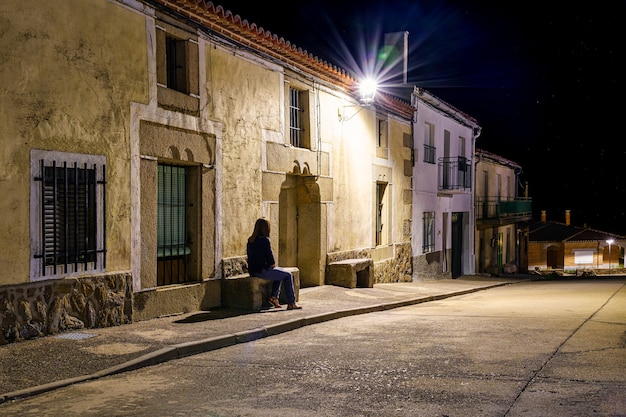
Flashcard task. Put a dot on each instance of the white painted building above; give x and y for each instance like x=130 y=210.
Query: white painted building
x=443 y=183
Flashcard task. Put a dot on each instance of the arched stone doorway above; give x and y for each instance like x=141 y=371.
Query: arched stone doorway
x=302 y=226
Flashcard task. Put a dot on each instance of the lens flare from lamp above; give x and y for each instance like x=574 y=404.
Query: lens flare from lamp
x=367 y=89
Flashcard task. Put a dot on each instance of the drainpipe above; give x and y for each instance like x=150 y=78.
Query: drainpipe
x=318 y=134
x=476 y=133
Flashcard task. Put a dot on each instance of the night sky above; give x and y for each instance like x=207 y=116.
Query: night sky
x=544 y=80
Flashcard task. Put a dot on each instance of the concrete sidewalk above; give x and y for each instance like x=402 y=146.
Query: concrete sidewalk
x=44 y=364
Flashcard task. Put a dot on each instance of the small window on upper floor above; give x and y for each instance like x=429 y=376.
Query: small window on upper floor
x=177 y=64
x=429 y=134
x=381 y=132
x=462 y=144
x=382 y=136
x=299 y=118
x=177 y=69
x=429 y=143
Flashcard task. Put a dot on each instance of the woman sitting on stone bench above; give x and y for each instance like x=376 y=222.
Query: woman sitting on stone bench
x=261 y=263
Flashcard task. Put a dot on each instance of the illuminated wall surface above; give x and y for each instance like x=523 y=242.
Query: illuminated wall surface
x=87 y=78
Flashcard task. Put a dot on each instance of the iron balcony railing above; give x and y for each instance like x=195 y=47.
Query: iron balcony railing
x=429 y=154
x=455 y=173
x=503 y=210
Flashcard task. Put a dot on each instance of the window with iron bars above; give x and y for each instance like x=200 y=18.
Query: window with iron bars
x=172 y=238
x=299 y=117
x=429 y=154
x=68 y=197
x=428 y=232
x=295 y=117
x=381 y=187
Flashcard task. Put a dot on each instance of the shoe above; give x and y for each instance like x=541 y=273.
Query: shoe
x=274 y=302
x=293 y=307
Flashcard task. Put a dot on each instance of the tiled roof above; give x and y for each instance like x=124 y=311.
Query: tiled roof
x=431 y=99
x=225 y=23
x=590 y=234
x=497 y=158
x=550 y=231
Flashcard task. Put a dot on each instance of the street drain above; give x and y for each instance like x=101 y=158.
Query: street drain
x=75 y=336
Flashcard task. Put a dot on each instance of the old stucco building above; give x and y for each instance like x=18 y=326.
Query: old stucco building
x=141 y=141
x=503 y=213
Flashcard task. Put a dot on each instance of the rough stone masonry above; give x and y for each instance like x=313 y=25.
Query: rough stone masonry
x=49 y=307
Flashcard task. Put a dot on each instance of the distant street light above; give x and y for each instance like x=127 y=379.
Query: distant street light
x=610 y=242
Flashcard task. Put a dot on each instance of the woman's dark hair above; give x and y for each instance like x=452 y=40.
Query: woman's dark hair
x=261 y=229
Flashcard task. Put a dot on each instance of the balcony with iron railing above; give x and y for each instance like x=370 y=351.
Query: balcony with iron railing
x=494 y=211
x=455 y=174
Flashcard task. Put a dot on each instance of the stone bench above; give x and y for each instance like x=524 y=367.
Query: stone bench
x=351 y=273
x=251 y=293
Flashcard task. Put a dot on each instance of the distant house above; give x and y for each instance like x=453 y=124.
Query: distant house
x=502 y=215
x=561 y=246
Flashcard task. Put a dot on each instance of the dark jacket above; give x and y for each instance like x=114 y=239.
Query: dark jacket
x=260 y=255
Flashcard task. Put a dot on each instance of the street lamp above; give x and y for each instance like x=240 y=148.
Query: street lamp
x=610 y=242
x=367 y=89
x=367 y=92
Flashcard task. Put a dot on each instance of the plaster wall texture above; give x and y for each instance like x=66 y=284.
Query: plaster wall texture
x=68 y=74
x=352 y=156
x=245 y=96
x=399 y=157
x=491 y=188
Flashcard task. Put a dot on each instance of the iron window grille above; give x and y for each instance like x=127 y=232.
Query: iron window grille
x=295 y=117
x=380 y=196
x=71 y=221
x=428 y=232
x=172 y=242
x=429 y=154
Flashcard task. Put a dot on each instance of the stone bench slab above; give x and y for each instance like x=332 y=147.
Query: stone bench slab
x=351 y=273
x=251 y=293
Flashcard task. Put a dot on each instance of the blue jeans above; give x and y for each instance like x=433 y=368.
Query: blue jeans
x=280 y=275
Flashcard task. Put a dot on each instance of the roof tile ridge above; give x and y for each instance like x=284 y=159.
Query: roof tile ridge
x=264 y=36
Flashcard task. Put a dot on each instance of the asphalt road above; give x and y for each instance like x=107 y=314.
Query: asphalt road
x=540 y=348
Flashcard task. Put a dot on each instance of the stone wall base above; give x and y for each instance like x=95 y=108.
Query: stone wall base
x=396 y=269
x=428 y=267
x=45 y=308
x=176 y=299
